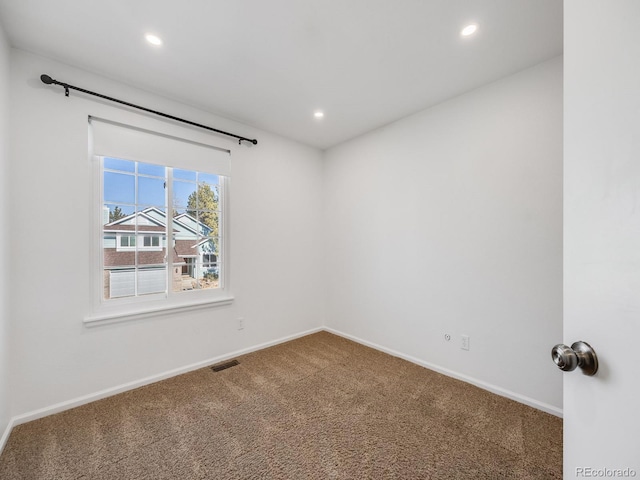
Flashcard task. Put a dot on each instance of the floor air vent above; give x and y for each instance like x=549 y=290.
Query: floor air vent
x=225 y=365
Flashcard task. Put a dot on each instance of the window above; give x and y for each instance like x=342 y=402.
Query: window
x=150 y=241
x=135 y=199
x=208 y=258
x=127 y=241
x=163 y=225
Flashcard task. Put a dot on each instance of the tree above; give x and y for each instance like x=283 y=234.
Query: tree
x=116 y=214
x=203 y=206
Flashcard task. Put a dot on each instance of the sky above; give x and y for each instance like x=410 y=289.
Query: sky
x=119 y=187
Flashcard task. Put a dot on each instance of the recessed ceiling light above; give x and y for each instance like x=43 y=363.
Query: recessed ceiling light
x=153 y=39
x=469 y=30
x=318 y=114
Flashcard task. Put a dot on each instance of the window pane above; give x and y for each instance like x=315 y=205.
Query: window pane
x=109 y=240
x=184 y=275
x=152 y=280
x=112 y=213
x=207 y=246
x=149 y=169
x=119 y=188
x=119 y=271
x=151 y=241
x=120 y=283
x=209 y=264
x=148 y=258
x=210 y=277
x=182 y=192
x=208 y=178
x=208 y=223
x=118 y=164
x=152 y=218
x=184 y=174
x=201 y=272
x=119 y=261
x=151 y=191
x=206 y=198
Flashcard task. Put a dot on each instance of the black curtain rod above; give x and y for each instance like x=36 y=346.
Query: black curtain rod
x=48 y=80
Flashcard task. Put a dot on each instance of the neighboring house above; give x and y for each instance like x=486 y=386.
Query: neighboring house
x=136 y=246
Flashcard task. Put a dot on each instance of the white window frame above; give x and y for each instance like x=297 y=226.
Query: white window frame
x=133 y=308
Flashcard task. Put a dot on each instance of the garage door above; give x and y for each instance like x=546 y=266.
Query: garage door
x=123 y=283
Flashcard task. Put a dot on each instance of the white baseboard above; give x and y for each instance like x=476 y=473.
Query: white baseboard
x=5 y=435
x=450 y=373
x=92 y=397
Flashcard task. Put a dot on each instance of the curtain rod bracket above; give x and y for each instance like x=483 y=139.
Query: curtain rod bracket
x=46 y=79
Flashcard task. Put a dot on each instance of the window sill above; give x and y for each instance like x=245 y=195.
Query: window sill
x=140 y=313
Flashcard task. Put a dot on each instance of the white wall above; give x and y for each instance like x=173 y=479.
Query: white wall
x=450 y=222
x=4 y=238
x=275 y=246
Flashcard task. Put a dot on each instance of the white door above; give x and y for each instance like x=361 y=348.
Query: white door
x=602 y=235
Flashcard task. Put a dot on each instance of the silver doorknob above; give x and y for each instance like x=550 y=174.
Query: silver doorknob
x=580 y=354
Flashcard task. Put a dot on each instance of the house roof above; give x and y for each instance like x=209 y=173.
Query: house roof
x=157 y=220
x=113 y=258
x=132 y=228
x=142 y=213
x=186 y=248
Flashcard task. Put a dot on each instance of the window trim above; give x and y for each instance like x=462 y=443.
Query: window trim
x=108 y=318
x=135 y=308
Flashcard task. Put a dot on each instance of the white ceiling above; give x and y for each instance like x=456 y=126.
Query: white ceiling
x=271 y=64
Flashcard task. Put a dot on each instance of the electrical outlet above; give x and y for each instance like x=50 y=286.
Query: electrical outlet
x=240 y=323
x=465 y=342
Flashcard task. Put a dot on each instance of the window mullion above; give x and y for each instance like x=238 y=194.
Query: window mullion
x=136 y=267
x=222 y=256
x=169 y=231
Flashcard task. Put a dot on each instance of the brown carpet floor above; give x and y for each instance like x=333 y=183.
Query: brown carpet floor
x=319 y=407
